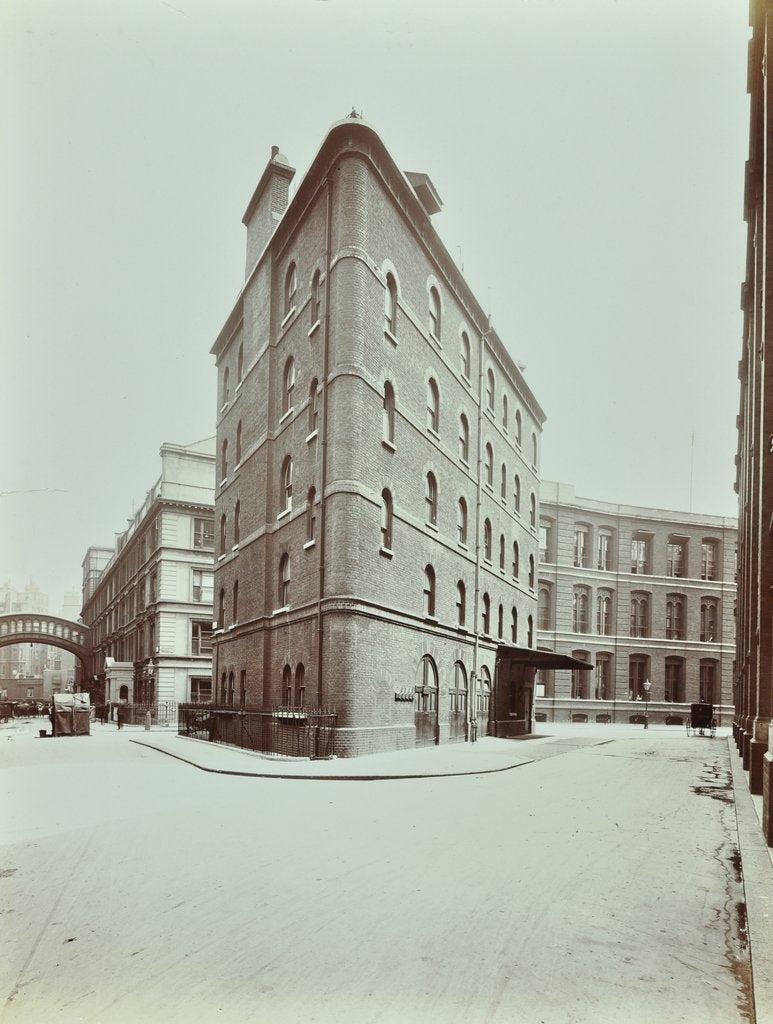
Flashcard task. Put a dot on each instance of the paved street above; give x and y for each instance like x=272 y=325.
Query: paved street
x=598 y=881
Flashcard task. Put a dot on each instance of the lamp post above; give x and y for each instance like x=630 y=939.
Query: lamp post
x=647 y=688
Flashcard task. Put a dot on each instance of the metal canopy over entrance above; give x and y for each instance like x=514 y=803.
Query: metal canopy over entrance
x=513 y=697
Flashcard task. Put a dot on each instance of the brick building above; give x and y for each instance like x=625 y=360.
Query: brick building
x=754 y=461
x=148 y=600
x=378 y=457
x=643 y=594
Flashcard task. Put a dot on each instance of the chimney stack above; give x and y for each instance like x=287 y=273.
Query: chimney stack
x=268 y=203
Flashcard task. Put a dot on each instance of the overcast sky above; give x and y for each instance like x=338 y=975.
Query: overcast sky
x=589 y=155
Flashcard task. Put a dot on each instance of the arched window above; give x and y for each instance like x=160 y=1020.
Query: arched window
x=464 y=439
x=501 y=622
x=604 y=613
x=459 y=692
x=517 y=494
x=461 y=603
x=433 y=406
x=534 y=450
x=514 y=626
x=490 y=389
x=530 y=632
x=640 y=614
x=532 y=511
x=580 y=610
x=223 y=524
x=516 y=560
x=430 y=498
x=238 y=442
x=708 y=632
x=221 y=609
x=486 y=614
x=461 y=521
x=484 y=694
x=237 y=517
x=235 y=602
x=386 y=520
x=284 y=581
x=286 y=484
x=313 y=407
x=226 y=386
x=426 y=687
x=288 y=383
x=501 y=552
x=580 y=677
x=434 y=313
x=465 y=355
x=224 y=460
x=291 y=285
x=311 y=516
x=531 y=572
x=390 y=306
x=505 y=412
x=487 y=540
x=287 y=685
x=314 y=305
x=223 y=688
x=503 y=483
x=674 y=680
x=707 y=692
x=240 y=363
x=518 y=426
x=388 y=418
x=488 y=471
x=429 y=591
x=674 y=617
x=300 y=685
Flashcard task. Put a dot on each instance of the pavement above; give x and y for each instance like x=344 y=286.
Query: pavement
x=666 y=896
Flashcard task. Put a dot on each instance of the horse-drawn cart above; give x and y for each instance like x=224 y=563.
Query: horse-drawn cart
x=702 y=720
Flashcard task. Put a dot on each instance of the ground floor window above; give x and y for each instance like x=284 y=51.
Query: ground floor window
x=674 y=681
x=708 y=681
x=426 y=689
x=637 y=674
x=201 y=691
x=458 y=692
x=603 y=677
x=484 y=693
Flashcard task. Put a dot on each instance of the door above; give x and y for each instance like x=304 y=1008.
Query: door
x=425 y=714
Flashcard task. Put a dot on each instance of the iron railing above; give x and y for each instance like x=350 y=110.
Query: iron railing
x=282 y=731
x=163 y=713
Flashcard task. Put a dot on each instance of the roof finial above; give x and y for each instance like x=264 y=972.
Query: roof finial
x=355 y=115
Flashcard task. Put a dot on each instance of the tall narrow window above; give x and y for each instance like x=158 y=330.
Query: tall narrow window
x=386 y=520
x=461 y=603
x=388 y=417
x=240 y=363
x=708 y=681
x=604 y=613
x=501 y=622
x=464 y=439
x=237 y=524
x=488 y=471
x=429 y=591
x=238 y=442
x=291 y=286
x=676 y=557
x=579 y=678
x=314 y=303
x=223 y=522
x=313 y=407
x=286 y=484
x=226 y=386
x=487 y=540
x=287 y=685
x=288 y=383
x=503 y=483
x=531 y=572
x=709 y=620
x=640 y=554
x=579 y=610
x=517 y=494
x=530 y=632
x=390 y=306
x=430 y=498
x=486 y=614
x=581 y=546
x=224 y=460
x=544 y=619
x=514 y=625
x=433 y=406
x=603 y=677
x=534 y=450
x=235 y=602
x=674 y=617
x=518 y=426
x=674 y=680
x=465 y=355
x=434 y=313
x=640 y=615
x=311 y=515
x=505 y=412
x=709 y=559
x=532 y=511
x=516 y=560
x=490 y=390
x=461 y=521
x=603 y=550
x=501 y=552
x=300 y=685
x=220 y=609
x=284 y=581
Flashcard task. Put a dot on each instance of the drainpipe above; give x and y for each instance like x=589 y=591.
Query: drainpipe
x=473 y=711
x=323 y=437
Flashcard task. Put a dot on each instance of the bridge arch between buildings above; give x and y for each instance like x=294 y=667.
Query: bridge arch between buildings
x=50 y=631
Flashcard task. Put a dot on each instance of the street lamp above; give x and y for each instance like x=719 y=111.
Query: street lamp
x=647 y=688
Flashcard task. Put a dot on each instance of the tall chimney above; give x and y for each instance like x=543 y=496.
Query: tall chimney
x=268 y=203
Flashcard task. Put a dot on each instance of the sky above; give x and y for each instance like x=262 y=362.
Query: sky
x=589 y=155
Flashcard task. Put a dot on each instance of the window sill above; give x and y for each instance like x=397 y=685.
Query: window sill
x=238 y=387
x=312 y=436
x=432 y=526
x=388 y=445
x=466 y=380
x=288 y=316
x=434 y=337
x=464 y=462
x=462 y=545
x=461 y=629
x=386 y=552
x=235 y=547
x=223 y=482
x=433 y=433
x=221 y=557
x=284 y=512
x=286 y=415
x=279 y=611
x=309 y=544
x=431 y=618
x=314 y=328
x=390 y=337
